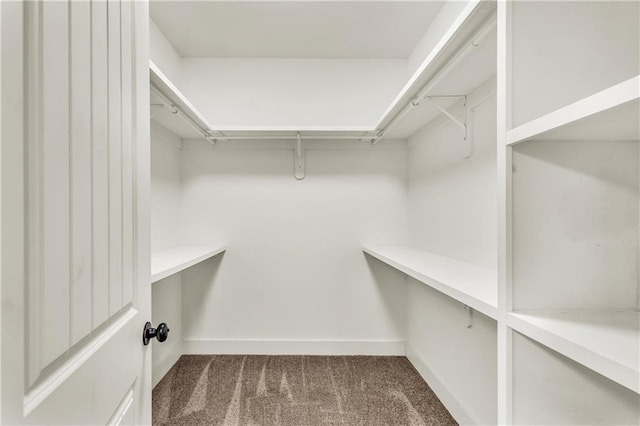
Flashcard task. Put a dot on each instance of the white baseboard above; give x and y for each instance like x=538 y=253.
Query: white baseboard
x=165 y=364
x=450 y=402
x=293 y=347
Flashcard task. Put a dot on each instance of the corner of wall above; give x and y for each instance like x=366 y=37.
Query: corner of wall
x=449 y=12
x=163 y=54
x=459 y=413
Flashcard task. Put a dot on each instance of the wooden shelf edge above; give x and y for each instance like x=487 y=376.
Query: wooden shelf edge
x=614 y=96
x=595 y=361
x=168 y=89
x=199 y=254
x=470 y=300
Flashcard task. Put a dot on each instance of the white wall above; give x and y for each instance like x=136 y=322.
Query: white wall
x=296 y=92
x=163 y=54
x=575 y=225
x=452 y=210
x=585 y=47
x=462 y=360
x=452 y=199
x=165 y=188
x=294 y=269
x=447 y=15
x=165 y=233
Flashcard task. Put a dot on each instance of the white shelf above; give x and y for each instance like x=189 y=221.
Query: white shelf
x=165 y=117
x=473 y=285
x=471 y=72
x=453 y=39
x=170 y=261
x=611 y=114
x=607 y=342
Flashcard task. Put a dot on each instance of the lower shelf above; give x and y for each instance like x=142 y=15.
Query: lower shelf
x=170 y=261
x=473 y=285
x=607 y=341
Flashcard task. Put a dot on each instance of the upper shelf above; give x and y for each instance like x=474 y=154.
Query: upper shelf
x=607 y=342
x=611 y=114
x=165 y=96
x=473 y=285
x=170 y=261
x=458 y=63
x=456 y=81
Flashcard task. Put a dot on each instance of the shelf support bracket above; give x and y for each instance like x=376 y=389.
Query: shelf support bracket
x=461 y=124
x=464 y=125
x=469 y=310
x=298 y=169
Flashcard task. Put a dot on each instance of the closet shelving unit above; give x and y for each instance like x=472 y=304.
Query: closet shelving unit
x=434 y=80
x=440 y=83
x=441 y=89
x=603 y=340
x=570 y=165
x=175 y=112
x=436 y=112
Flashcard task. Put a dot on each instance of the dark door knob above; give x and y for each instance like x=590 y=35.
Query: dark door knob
x=161 y=332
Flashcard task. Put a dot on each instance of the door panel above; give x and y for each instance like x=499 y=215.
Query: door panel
x=100 y=164
x=72 y=322
x=115 y=156
x=52 y=200
x=126 y=10
x=80 y=145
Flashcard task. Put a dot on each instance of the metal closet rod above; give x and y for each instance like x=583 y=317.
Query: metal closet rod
x=175 y=110
x=291 y=137
x=482 y=32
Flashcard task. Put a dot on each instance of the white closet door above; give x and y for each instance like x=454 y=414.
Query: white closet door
x=75 y=253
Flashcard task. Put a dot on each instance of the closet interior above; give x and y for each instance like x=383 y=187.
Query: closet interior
x=457 y=183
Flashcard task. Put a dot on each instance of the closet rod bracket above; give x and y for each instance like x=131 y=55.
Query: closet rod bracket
x=298 y=166
x=469 y=310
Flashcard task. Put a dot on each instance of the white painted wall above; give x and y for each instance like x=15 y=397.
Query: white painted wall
x=452 y=210
x=165 y=188
x=452 y=199
x=163 y=54
x=445 y=18
x=585 y=47
x=165 y=233
x=294 y=274
x=575 y=225
x=292 y=92
x=463 y=360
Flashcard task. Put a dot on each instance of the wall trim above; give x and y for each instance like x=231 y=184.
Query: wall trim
x=294 y=347
x=458 y=412
x=163 y=366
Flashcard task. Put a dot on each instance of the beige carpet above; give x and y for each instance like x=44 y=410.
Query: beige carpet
x=295 y=391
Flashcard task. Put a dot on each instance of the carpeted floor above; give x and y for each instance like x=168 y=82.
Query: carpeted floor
x=295 y=391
